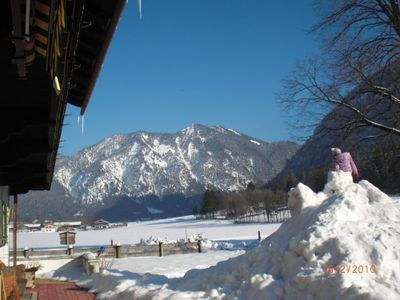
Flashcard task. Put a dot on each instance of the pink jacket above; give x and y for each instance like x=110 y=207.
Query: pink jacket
x=344 y=162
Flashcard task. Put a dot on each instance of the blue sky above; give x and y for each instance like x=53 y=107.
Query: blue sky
x=214 y=62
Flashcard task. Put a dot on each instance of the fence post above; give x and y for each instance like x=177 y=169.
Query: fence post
x=160 y=248
x=259 y=235
x=70 y=249
x=117 y=254
x=26 y=252
x=112 y=243
x=199 y=245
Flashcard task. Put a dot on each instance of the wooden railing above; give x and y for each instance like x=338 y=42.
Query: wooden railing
x=277 y=216
x=117 y=251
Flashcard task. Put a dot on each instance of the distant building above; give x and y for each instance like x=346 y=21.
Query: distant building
x=49 y=228
x=101 y=224
x=32 y=227
x=65 y=226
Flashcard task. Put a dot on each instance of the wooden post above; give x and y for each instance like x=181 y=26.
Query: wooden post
x=160 y=249
x=199 y=245
x=117 y=254
x=259 y=235
x=70 y=249
x=112 y=243
x=26 y=252
x=15 y=230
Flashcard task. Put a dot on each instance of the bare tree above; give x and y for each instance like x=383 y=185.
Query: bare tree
x=359 y=72
x=364 y=30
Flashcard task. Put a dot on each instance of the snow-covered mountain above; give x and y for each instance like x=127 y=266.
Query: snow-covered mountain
x=143 y=174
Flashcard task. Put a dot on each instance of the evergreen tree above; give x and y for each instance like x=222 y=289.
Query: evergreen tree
x=195 y=211
x=290 y=180
x=205 y=207
x=213 y=203
x=250 y=187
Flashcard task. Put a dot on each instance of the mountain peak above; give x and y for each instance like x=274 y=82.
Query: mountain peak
x=145 y=168
x=194 y=127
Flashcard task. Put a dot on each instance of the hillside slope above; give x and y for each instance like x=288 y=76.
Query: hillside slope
x=141 y=175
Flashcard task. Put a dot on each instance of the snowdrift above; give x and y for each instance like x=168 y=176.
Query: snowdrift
x=341 y=243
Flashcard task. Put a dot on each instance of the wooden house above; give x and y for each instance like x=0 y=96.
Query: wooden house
x=51 y=53
x=101 y=224
x=49 y=228
x=65 y=226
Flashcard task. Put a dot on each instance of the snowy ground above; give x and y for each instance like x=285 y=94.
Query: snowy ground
x=341 y=243
x=169 y=229
x=159 y=270
x=173 y=266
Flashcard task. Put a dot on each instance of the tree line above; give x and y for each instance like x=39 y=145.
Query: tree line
x=233 y=205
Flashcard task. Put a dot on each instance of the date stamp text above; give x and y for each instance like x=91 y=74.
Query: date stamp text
x=349 y=269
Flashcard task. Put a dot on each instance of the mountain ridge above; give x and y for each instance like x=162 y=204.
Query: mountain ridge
x=141 y=169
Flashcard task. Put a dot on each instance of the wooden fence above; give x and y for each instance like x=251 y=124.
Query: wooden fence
x=277 y=216
x=117 y=251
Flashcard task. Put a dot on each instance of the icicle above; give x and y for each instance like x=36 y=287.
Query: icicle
x=79 y=119
x=83 y=124
x=140 y=9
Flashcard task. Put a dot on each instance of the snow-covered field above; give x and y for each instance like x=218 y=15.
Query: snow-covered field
x=341 y=243
x=173 y=266
x=109 y=285
x=168 y=229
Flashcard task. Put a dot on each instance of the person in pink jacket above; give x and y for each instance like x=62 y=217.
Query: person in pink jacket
x=344 y=162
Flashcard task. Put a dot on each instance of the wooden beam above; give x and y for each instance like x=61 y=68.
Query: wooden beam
x=100 y=59
x=23 y=188
x=31 y=143
x=24 y=167
x=97 y=18
x=18 y=39
x=15 y=221
x=30 y=163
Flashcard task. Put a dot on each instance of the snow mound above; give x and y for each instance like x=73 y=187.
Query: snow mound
x=89 y=255
x=340 y=243
x=154 y=241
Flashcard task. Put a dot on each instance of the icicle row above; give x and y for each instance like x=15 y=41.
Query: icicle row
x=81 y=118
x=83 y=124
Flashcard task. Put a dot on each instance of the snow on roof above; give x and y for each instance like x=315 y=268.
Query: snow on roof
x=74 y=223
x=32 y=225
x=101 y=221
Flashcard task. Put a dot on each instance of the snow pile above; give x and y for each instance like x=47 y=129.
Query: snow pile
x=193 y=238
x=154 y=241
x=341 y=243
x=89 y=255
x=347 y=224
x=234 y=245
x=197 y=237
